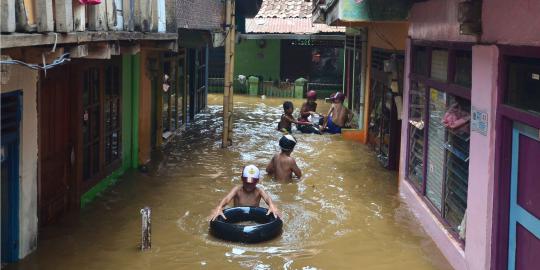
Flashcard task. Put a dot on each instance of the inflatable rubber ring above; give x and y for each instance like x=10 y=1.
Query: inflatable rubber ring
x=268 y=227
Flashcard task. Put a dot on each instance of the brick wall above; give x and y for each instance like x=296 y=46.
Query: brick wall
x=200 y=14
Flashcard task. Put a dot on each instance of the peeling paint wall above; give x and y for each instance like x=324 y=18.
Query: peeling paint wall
x=25 y=79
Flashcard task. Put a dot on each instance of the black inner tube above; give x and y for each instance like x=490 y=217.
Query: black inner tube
x=267 y=227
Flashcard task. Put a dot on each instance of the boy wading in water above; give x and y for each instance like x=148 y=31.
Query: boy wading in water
x=282 y=165
x=248 y=194
x=285 y=123
x=338 y=115
x=309 y=108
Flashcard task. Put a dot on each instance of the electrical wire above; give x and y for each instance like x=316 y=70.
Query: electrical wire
x=59 y=61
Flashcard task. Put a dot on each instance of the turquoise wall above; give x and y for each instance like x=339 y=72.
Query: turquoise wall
x=251 y=59
x=374 y=10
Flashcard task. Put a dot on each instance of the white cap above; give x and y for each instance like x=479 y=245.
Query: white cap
x=250 y=173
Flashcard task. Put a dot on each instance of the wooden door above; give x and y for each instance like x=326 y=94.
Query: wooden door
x=524 y=229
x=56 y=144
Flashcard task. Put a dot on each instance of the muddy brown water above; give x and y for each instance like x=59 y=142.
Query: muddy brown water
x=345 y=213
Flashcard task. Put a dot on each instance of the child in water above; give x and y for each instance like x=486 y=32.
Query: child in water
x=309 y=108
x=248 y=194
x=285 y=123
x=282 y=165
x=338 y=115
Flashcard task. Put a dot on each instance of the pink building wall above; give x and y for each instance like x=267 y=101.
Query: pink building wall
x=485 y=67
x=504 y=22
x=514 y=22
x=436 y=20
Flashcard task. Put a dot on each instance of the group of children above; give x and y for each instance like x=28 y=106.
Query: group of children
x=283 y=166
x=332 y=123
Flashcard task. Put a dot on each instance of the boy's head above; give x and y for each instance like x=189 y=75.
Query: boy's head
x=250 y=177
x=287 y=143
x=288 y=107
x=311 y=95
x=338 y=97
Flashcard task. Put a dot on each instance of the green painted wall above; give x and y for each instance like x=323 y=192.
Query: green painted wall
x=251 y=59
x=130 y=127
x=374 y=10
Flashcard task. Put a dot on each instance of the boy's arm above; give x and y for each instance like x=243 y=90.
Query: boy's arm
x=291 y=119
x=271 y=207
x=218 y=211
x=328 y=115
x=296 y=170
x=270 y=166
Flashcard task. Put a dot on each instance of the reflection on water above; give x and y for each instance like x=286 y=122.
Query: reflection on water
x=345 y=213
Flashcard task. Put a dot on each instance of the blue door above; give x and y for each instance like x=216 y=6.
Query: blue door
x=9 y=156
x=524 y=225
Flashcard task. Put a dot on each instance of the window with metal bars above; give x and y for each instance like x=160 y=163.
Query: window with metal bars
x=438 y=130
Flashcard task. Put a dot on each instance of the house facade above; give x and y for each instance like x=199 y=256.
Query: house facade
x=470 y=124
x=73 y=76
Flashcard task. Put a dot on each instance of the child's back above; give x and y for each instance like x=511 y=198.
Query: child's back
x=282 y=165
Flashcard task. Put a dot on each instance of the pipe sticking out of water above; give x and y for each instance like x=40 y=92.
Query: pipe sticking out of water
x=146 y=232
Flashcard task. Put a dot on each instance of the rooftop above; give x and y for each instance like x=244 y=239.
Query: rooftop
x=287 y=17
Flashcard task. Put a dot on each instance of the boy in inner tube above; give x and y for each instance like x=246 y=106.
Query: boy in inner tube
x=248 y=194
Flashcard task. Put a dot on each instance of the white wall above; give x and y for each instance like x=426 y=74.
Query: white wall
x=25 y=79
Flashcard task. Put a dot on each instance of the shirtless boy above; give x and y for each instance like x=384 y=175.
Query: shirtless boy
x=282 y=165
x=285 y=123
x=248 y=194
x=309 y=108
x=338 y=115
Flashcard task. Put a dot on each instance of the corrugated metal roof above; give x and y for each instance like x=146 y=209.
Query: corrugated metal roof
x=288 y=26
x=287 y=17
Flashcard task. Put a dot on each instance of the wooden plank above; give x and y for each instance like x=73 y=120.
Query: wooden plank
x=63 y=16
x=111 y=14
x=30 y=7
x=170 y=20
x=44 y=16
x=35 y=55
x=137 y=22
x=99 y=51
x=24 y=20
x=130 y=49
x=128 y=12
x=115 y=48
x=7 y=16
x=78 y=51
x=97 y=17
x=25 y=40
x=154 y=15
x=146 y=15
x=79 y=16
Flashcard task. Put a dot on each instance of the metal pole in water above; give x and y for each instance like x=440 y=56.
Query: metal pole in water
x=146 y=233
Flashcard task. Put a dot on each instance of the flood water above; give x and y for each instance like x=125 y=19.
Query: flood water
x=345 y=213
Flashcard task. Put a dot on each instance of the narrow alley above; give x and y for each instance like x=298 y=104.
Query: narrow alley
x=332 y=213
x=164 y=134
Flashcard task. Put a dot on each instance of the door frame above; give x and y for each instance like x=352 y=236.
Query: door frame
x=504 y=117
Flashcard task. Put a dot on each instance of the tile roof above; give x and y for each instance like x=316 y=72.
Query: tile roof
x=288 y=26
x=287 y=17
x=285 y=9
